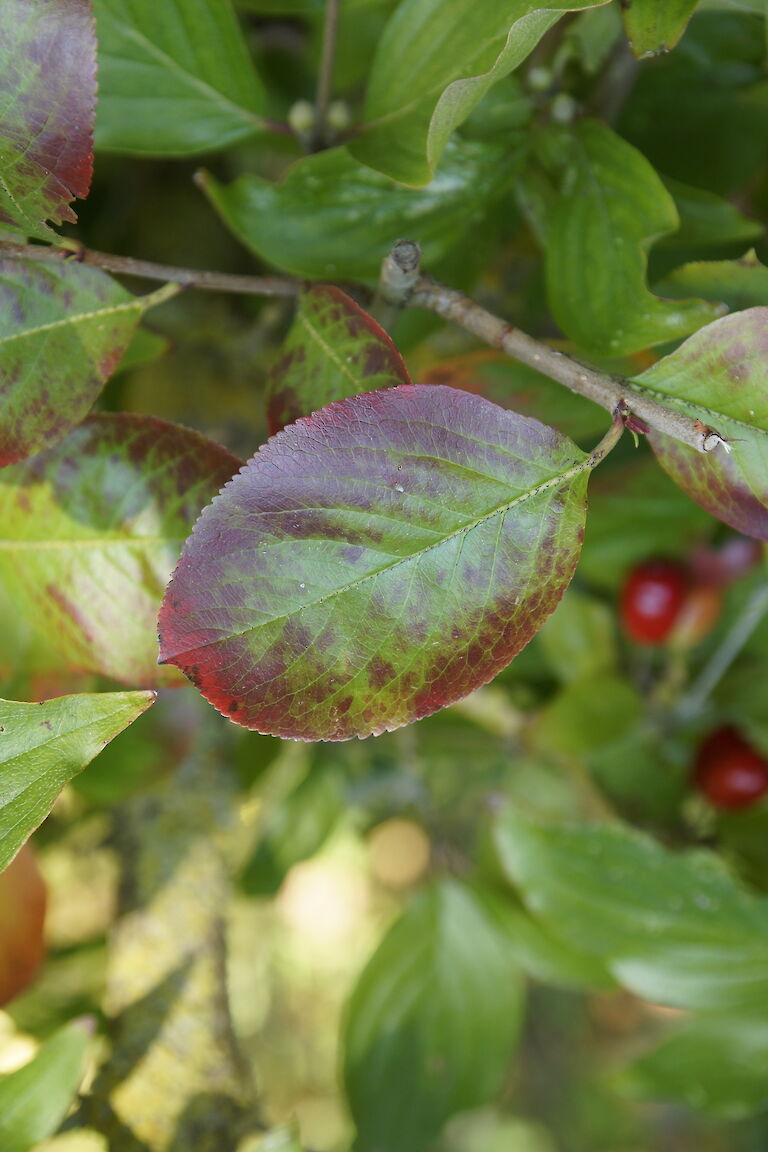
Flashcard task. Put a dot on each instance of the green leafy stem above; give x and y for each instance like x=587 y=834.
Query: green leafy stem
x=402 y=284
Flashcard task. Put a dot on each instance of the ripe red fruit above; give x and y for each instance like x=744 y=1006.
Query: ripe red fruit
x=652 y=599
x=728 y=770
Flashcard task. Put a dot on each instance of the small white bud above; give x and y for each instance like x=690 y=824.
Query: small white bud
x=539 y=79
x=339 y=116
x=302 y=117
x=563 y=108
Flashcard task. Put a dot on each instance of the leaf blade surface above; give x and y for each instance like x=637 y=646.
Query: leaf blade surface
x=432 y=1022
x=676 y=928
x=612 y=206
x=719 y=376
x=42 y=746
x=375 y=562
x=174 y=79
x=90 y=531
x=434 y=63
x=332 y=217
x=63 y=330
x=47 y=105
x=334 y=349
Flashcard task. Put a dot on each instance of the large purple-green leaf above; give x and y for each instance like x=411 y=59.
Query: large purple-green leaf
x=720 y=377
x=63 y=330
x=333 y=350
x=90 y=531
x=47 y=103
x=376 y=561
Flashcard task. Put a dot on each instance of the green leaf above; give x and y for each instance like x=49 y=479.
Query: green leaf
x=590 y=38
x=720 y=377
x=333 y=217
x=579 y=638
x=334 y=349
x=435 y=62
x=674 y=928
x=612 y=205
x=174 y=79
x=47 y=103
x=700 y=114
x=89 y=533
x=586 y=715
x=432 y=1022
x=144 y=347
x=36 y=1097
x=42 y=746
x=296 y=829
x=539 y=953
x=713 y=1066
x=63 y=330
x=707 y=219
x=738 y=283
x=450 y=527
x=655 y=26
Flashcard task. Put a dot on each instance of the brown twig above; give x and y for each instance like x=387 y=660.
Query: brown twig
x=146 y=270
x=401 y=285
x=604 y=390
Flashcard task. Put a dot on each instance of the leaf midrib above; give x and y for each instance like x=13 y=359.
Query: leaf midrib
x=72 y=321
x=194 y=82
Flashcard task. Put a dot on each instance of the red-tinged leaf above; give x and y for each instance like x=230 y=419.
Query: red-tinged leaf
x=720 y=377
x=63 y=330
x=374 y=562
x=47 y=106
x=333 y=350
x=90 y=531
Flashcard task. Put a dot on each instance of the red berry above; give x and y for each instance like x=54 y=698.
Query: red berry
x=652 y=599
x=728 y=770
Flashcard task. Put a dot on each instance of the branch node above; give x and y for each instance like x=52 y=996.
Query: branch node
x=400 y=272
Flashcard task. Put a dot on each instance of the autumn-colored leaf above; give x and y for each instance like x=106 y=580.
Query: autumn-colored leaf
x=333 y=350
x=90 y=531
x=720 y=377
x=376 y=561
x=47 y=105
x=63 y=330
